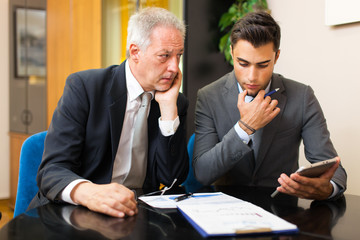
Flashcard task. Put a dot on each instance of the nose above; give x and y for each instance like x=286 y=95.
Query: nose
x=173 y=64
x=253 y=73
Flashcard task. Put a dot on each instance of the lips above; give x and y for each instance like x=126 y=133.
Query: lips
x=168 y=78
x=250 y=86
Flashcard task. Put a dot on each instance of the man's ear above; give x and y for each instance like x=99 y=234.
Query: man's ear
x=277 y=55
x=134 y=51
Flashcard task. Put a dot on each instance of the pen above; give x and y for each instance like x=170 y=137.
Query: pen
x=183 y=197
x=274 y=193
x=269 y=93
x=135 y=195
x=273 y=91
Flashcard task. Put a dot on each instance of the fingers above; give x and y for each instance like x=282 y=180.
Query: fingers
x=176 y=82
x=178 y=78
x=111 y=199
x=288 y=186
x=122 y=202
x=304 y=187
x=119 y=207
x=272 y=103
x=241 y=97
x=330 y=173
x=261 y=96
x=259 y=112
x=271 y=108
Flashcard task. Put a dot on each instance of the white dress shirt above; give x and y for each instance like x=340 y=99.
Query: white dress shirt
x=122 y=161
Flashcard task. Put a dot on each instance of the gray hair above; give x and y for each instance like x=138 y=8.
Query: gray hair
x=142 y=23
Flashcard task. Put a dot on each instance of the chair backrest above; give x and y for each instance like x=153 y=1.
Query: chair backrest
x=30 y=159
x=191 y=184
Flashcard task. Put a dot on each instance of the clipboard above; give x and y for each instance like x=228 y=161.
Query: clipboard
x=234 y=218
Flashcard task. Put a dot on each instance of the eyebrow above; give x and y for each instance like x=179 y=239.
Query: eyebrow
x=167 y=51
x=243 y=60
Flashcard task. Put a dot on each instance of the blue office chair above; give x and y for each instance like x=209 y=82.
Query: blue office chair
x=191 y=184
x=30 y=158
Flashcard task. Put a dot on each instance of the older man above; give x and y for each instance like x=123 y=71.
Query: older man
x=93 y=151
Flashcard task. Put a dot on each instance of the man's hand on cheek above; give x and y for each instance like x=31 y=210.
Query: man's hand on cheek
x=167 y=99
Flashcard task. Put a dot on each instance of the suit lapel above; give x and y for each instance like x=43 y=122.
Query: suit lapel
x=118 y=95
x=266 y=135
x=230 y=93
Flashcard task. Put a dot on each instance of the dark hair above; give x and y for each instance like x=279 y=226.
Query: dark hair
x=258 y=28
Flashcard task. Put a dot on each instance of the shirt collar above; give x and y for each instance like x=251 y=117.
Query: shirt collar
x=134 y=88
x=249 y=98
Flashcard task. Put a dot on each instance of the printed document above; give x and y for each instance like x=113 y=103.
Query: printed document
x=218 y=214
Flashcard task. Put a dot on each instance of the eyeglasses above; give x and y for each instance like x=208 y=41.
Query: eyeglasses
x=167 y=188
x=162 y=191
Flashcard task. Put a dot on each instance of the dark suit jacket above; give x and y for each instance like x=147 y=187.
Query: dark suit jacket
x=221 y=157
x=85 y=131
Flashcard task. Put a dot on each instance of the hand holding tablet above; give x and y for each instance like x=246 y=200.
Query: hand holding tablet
x=313 y=170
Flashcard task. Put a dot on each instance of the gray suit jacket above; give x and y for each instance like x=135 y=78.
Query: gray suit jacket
x=220 y=156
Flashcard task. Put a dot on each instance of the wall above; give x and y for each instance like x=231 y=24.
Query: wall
x=327 y=58
x=203 y=63
x=4 y=99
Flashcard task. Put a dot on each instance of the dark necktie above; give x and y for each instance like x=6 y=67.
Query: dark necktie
x=255 y=143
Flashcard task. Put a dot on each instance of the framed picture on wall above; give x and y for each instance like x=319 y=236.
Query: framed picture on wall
x=341 y=12
x=30 y=42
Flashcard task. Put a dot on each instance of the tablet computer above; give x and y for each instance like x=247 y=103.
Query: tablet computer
x=316 y=169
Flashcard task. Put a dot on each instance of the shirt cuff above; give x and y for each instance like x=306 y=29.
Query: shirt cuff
x=335 y=190
x=168 y=128
x=242 y=134
x=65 y=194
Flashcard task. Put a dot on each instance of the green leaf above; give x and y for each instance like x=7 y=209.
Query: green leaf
x=253 y=2
x=223 y=42
x=225 y=21
x=245 y=6
x=233 y=9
